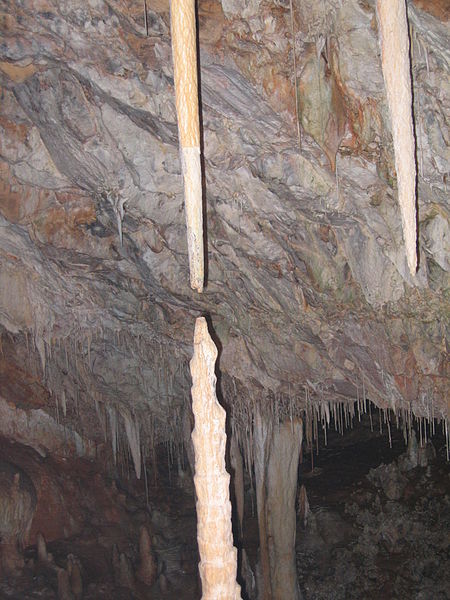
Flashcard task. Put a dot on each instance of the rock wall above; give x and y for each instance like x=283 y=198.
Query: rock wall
x=307 y=282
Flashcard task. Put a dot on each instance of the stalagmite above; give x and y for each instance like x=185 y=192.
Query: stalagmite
x=116 y=564
x=148 y=567
x=184 y=50
x=126 y=576
x=17 y=507
x=218 y=557
x=76 y=581
x=41 y=548
x=64 y=590
x=394 y=39
x=276 y=453
x=163 y=584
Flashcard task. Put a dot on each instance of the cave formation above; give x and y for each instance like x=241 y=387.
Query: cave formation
x=321 y=249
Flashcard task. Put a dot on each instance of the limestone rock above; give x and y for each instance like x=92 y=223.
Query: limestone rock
x=390 y=479
x=410 y=459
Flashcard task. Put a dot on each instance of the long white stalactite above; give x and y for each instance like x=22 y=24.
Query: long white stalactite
x=394 y=40
x=218 y=556
x=184 y=50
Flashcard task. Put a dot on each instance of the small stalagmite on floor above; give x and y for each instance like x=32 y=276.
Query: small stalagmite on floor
x=42 y=554
x=64 y=589
x=395 y=60
x=17 y=506
x=148 y=566
x=218 y=556
x=76 y=581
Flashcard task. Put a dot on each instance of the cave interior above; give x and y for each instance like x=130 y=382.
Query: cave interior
x=253 y=397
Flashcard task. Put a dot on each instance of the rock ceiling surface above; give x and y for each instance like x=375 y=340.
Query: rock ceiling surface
x=308 y=289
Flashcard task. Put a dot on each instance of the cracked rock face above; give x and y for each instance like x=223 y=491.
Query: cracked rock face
x=307 y=282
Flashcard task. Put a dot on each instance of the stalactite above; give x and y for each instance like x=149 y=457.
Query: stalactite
x=303 y=509
x=146 y=482
x=40 y=347
x=113 y=424
x=56 y=408
x=132 y=432
x=218 y=557
x=389 y=434
x=393 y=26
x=261 y=443
x=238 y=478
x=187 y=431
x=64 y=403
x=184 y=48
x=447 y=438
x=247 y=575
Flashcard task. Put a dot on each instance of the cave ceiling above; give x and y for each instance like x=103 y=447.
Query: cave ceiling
x=308 y=290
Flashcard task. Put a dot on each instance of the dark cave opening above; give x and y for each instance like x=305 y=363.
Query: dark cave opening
x=376 y=509
x=377 y=518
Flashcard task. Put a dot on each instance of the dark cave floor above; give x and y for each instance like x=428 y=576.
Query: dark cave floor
x=376 y=526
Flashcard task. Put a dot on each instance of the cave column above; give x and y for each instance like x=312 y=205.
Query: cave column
x=276 y=451
x=281 y=486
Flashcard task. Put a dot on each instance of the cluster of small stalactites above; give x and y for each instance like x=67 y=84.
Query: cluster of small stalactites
x=320 y=413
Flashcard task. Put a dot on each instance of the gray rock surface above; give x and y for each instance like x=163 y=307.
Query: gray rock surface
x=307 y=280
